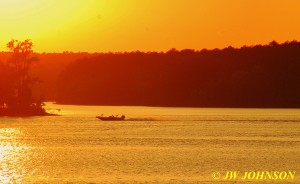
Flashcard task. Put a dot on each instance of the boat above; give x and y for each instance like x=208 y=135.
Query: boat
x=111 y=118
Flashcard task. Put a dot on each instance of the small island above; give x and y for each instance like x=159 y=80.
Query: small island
x=16 y=97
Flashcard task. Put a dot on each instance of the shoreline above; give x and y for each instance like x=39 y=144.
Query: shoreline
x=180 y=106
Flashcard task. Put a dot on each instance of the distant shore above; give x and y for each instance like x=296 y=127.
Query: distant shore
x=183 y=106
x=261 y=76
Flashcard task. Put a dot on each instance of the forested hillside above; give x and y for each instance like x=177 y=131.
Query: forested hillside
x=258 y=76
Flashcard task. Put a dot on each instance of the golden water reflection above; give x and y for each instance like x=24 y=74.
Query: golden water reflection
x=14 y=156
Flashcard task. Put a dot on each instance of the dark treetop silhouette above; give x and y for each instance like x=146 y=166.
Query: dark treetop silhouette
x=258 y=76
x=255 y=76
x=15 y=94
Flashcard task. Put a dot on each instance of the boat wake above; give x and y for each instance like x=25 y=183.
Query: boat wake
x=145 y=119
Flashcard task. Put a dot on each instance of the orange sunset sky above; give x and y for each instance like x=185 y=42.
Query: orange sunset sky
x=147 y=25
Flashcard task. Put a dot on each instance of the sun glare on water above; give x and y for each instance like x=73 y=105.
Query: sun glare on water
x=13 y=156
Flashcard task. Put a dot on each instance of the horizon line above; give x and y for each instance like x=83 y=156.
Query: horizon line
x=175 y=49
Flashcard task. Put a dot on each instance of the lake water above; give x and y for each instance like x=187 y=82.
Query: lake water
x=154 y=145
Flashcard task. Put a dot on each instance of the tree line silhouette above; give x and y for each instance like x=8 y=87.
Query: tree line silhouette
x=251 y=76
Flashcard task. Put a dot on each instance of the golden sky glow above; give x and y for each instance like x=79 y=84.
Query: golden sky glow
x=147 y=25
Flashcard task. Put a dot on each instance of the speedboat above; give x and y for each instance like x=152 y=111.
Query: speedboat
x=111 y=118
